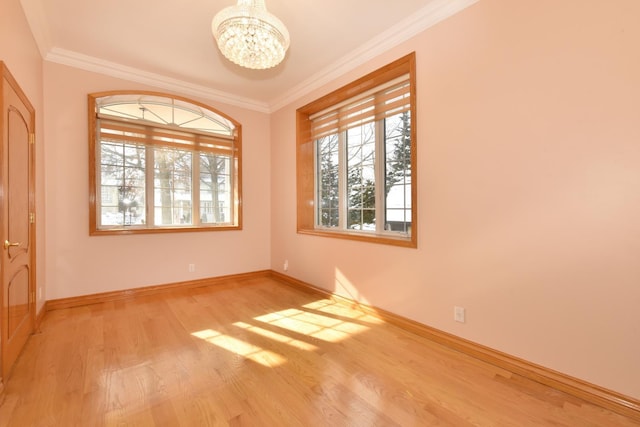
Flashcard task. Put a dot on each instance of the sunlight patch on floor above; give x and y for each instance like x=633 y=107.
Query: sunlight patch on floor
x=330 y=307
x=325 y=328
x=259 y=355
x=301 y=345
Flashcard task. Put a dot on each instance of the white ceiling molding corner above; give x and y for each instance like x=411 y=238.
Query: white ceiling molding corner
x=435 y=12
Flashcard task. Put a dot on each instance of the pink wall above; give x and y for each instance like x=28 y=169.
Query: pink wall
x=529 y=189
x=78 y=264
x=20 y=53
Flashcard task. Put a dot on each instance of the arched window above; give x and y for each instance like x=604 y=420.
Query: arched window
x=162 y=163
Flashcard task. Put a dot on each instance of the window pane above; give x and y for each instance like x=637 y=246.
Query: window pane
x=353 y=159
x=398 y=172
x=137 y=160
x=328 y=190
x=164 y=110
x=361 y=179
x=122 y=190
x=215 y=188
x=172 y=187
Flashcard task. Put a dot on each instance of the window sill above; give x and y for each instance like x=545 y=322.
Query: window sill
x=160 y=230
x=386 y=239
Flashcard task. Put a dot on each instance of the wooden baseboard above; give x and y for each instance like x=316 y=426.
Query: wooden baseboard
x=588 y=392
x=591 y=393
x=40 y=316
x=83 y=300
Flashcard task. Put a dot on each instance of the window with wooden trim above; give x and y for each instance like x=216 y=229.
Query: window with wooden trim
x=356 y=151
x=161 y=163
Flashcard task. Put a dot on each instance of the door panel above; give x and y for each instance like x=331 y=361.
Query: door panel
x=18 y=298
x=18 y=181
x=17 y=203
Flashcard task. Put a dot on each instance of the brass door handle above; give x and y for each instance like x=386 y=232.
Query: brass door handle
x=8 y=244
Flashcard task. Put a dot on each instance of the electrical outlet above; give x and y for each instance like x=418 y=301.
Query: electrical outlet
x=286 y=265
x=192 y=268
x=459 y=314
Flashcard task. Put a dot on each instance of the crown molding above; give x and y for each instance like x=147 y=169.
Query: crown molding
x=36 y=18
x=435 y=12
x=97 y=65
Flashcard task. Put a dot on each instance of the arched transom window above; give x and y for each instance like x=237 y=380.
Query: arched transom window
x=162 y=163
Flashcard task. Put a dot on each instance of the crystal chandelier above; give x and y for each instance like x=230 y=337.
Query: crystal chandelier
x=248 y=35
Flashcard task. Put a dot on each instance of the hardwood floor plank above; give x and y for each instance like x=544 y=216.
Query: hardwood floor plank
x=255 y=352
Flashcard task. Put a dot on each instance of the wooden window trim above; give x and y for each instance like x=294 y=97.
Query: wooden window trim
x=93 y=193
x=305 y=166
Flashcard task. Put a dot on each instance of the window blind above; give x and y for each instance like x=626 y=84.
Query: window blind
x=381 y=102
x=125 y=132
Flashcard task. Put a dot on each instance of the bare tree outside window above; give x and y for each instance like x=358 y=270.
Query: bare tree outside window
x=162 y=163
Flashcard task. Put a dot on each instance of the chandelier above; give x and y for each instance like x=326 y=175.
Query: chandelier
x=248 y=35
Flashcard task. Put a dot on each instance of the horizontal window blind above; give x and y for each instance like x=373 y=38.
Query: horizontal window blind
x=121 y=131
x=381 y=102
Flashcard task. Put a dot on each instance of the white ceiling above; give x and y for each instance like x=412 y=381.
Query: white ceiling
x=169 y=43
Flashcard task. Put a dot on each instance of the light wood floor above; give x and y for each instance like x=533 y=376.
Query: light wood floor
x=259 y=353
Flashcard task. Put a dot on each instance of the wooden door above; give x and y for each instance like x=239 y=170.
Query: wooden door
x=17 y=211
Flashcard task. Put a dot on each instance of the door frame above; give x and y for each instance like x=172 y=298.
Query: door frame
x=6 y=75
